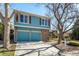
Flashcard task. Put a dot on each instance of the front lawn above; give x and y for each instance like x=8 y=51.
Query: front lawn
x=5 y=52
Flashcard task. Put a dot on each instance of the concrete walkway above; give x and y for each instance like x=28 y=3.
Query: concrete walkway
x=35 y=49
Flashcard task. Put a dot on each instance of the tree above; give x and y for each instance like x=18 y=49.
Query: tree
x=75 y=31
x=64 y=14
x=6 y=23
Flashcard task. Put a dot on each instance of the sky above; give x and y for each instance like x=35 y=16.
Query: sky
x=30 y=7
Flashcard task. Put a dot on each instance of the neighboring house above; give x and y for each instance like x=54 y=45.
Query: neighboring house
x=30 y=27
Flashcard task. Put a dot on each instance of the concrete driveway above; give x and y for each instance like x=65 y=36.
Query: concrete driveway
x=35 y=49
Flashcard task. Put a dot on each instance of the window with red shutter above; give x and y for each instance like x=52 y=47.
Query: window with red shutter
x=30 y=19
x=16 y=17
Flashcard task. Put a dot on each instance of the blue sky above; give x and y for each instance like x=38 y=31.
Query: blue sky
x=30 y=7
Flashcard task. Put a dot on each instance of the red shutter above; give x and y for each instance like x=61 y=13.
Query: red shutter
x=40 y=21
x=49 y=22
x=30 y=19
x=16 y=17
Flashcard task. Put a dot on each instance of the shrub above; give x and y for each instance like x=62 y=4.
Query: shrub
x=73 y=43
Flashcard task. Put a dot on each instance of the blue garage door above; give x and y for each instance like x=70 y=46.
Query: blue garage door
x=22 y=36
x=35 y=36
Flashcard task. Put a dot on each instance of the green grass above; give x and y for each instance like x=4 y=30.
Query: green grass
x=5 y=52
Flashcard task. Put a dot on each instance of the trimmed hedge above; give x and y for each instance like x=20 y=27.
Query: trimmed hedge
x=73 y=43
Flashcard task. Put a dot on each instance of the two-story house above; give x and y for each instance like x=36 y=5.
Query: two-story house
x=30 y=27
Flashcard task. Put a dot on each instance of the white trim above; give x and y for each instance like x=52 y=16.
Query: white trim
x=28 y=31
x=29 y=36
x=22 y=23
x=24 y=19
x=19 y=21
x=31 y=27
x=36 y=31
x=23 y=30
x=44 y=22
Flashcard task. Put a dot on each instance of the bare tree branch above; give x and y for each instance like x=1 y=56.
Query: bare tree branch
x=11 y=15
x=69 y=24
x=68 y=30
x=66 y=5
x=54 y=26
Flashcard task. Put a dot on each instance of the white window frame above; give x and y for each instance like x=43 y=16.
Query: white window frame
x=27 y=19
x=20 y=19
x=44 y=22
x=47 y=22
x=23 y=19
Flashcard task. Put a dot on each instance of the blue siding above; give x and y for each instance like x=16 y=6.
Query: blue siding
x=34 y=22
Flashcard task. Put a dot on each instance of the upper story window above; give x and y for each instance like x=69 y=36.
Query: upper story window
x=21 y=18
x=46 y=22
x=26 y=19
x=43 y=22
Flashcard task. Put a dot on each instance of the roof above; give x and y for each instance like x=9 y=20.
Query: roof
x=18 y=11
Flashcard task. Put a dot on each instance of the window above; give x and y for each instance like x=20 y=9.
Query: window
x=26 y=19
x=21 y=18
x=44 y=22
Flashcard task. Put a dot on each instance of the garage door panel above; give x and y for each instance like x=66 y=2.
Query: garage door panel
x=35 y=36
x=22 y=36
